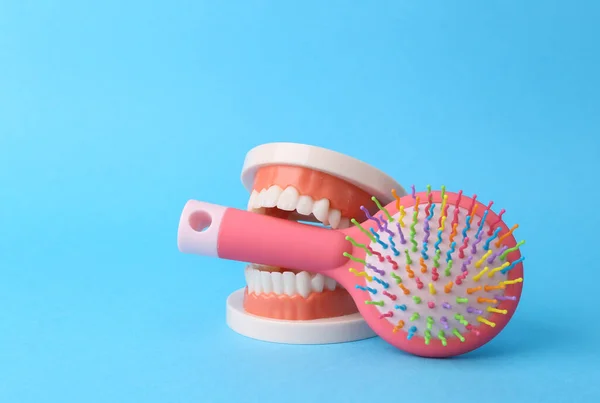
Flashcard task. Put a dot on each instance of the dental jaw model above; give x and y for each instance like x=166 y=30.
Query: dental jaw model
x=319 y=187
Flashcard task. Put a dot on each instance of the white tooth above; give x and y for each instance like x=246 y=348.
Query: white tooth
x=321 y=210
x=289 y=283
x=305 y=205
x=253 y=277
x=271 y=196
x=259 y=210
x=288 y=199
x=277 y=280
x=335 y=216
x=257 y=282
x=344 y=223
x=318 y=282
x=249 y=278
x=252 y=200
x=258 y=203
x=267 y=285
x=330 y=283
x=269 y=268
x=303 y=283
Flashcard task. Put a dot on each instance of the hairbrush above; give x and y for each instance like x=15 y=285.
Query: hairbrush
x=434 y=273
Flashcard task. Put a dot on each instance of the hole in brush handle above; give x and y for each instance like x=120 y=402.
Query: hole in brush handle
x=199 y=228
x=256 y=238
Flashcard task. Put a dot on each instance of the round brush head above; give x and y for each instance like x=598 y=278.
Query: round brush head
x=444 y=273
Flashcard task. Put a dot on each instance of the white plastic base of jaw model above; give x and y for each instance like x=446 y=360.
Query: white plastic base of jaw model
x=319 y=331
x=362 y=175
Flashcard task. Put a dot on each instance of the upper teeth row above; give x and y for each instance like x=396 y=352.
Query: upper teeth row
x=290 y=200
x=288 y=283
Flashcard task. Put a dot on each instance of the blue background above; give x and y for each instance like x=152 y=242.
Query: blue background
x=113 y=114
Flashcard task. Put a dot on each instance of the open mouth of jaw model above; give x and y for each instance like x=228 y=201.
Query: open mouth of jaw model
x=303 y=195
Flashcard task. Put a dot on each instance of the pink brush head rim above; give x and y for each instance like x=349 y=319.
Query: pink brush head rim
x=416 y=344
x=239 y=235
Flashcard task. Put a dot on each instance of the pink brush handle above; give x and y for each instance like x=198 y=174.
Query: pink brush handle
x=249 y=237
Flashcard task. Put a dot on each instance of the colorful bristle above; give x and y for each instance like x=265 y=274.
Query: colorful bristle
x=381 y=208
x=457 y=240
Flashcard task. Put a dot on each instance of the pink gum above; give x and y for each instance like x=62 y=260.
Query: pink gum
x=343 y=196
x=326 y=304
